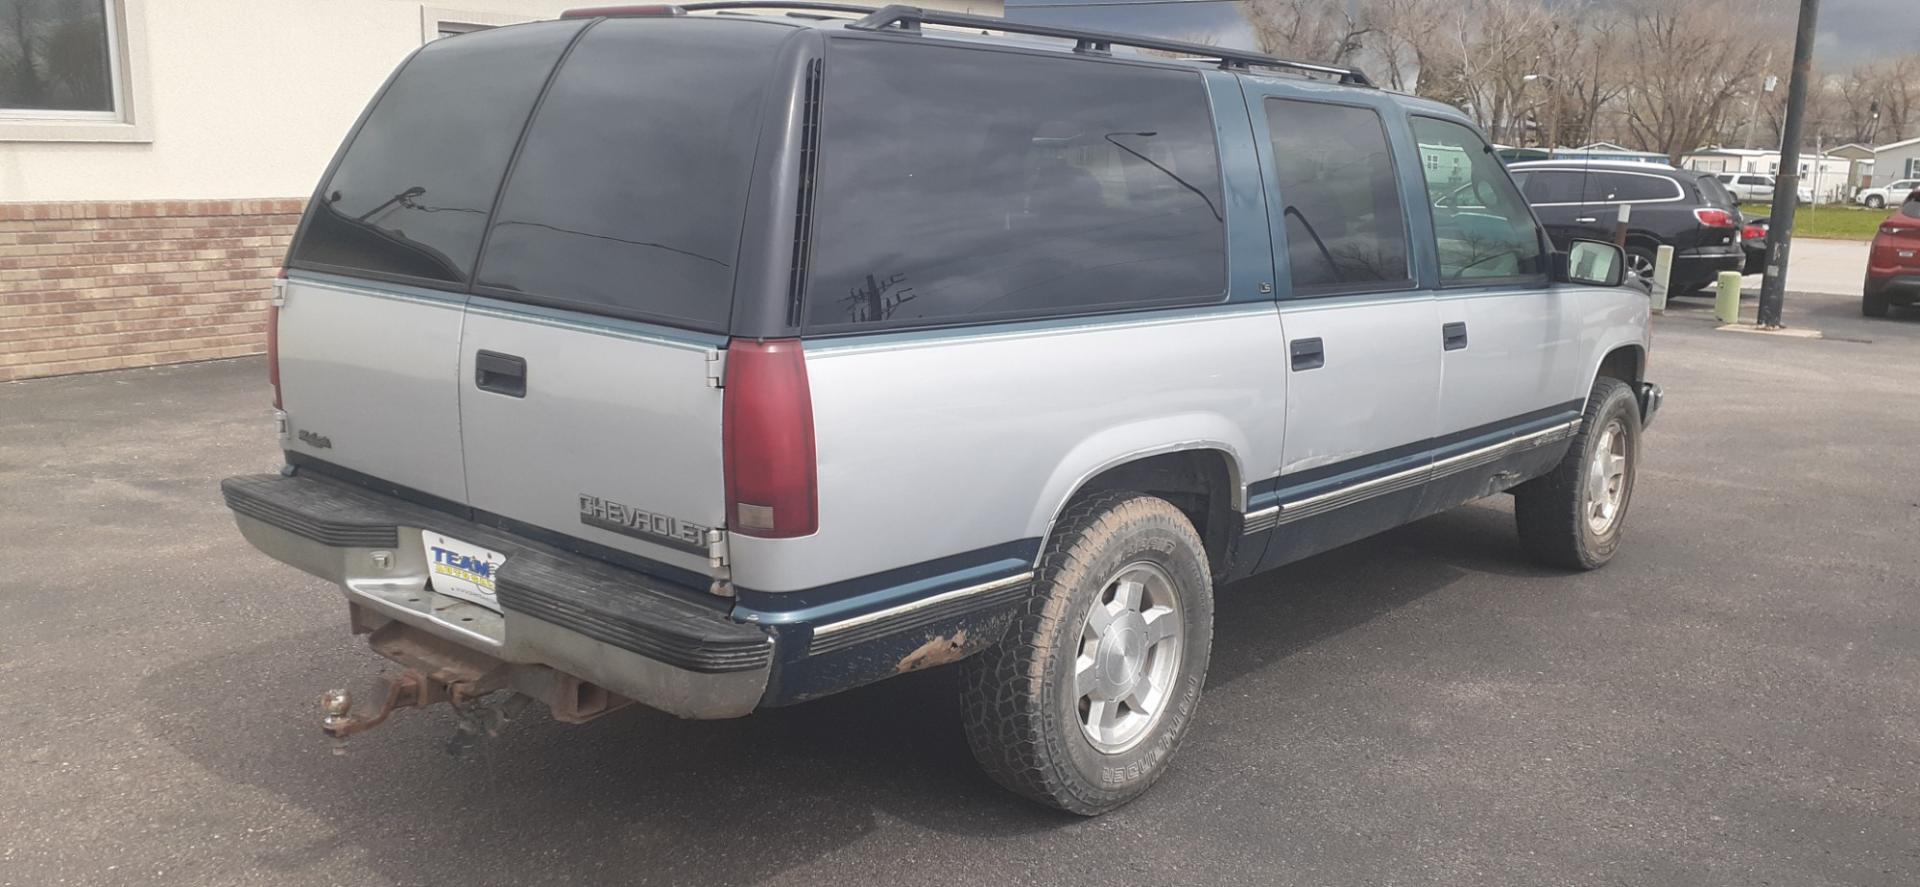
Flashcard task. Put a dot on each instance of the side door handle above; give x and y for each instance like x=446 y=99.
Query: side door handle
x=1453 y=336
x=1588 y=220
x=1307 y=354
x=500 y=373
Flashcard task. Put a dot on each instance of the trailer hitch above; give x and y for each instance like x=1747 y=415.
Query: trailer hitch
x=435 y=671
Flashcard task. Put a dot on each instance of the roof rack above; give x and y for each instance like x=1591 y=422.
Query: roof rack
x=668 y=10
x=910 y=18
x=803 y=5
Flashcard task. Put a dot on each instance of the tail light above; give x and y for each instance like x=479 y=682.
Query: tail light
x=273 y=334
x=1753 y=232
x=1715 y=218
x=767 y=436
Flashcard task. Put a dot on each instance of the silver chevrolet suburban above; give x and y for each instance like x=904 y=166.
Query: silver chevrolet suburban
x=728 y=355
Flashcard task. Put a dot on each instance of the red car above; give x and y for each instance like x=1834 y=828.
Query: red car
x=1893 y=265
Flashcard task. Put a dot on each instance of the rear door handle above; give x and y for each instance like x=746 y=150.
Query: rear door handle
x=1588 y=219
x=500 y=373
x=1307 y=354
x=1453 y=336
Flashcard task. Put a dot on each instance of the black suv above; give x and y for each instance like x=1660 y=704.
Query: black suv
x=1687 y=210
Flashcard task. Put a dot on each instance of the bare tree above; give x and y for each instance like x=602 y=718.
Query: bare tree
x=1307 y=30
x=1691 y=67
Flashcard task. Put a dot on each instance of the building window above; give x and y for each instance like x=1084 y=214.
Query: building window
x=73 y=71
x=59 y=59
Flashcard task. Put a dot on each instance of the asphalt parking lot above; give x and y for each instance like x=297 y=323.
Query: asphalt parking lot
x=1734 y=701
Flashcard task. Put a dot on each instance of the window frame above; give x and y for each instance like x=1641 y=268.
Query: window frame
x=1412 y=282
x=128 y=79
x=806 y=329
x=1516 y=281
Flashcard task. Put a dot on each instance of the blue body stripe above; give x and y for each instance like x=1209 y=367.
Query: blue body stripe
x=855 y=597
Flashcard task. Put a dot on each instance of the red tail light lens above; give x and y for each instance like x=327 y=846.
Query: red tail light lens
x=273 y=336
x=767 y=435
x=1715 y=218
x=1753 y=232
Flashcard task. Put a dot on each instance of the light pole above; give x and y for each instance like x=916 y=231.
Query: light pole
x=1786 y=187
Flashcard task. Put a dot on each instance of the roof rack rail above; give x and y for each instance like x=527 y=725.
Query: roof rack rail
x=803 y=5
x=668 y=10
x=910 y=18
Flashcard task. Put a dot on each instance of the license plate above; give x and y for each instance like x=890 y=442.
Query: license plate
x=462 y=569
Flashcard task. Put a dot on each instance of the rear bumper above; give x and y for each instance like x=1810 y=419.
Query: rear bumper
x=1893 y=283
x=1706 y=263
x=648 y=640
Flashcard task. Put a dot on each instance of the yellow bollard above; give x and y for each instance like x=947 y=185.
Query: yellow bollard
x=1726 y=303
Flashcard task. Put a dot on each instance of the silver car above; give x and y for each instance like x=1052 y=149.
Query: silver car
x=720 y=362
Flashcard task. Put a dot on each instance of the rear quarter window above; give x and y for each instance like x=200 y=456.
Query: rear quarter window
x=960 y=185
x=1617 y=187
x=409 y=196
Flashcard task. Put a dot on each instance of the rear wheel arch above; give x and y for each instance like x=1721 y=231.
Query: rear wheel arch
x=1204 y=482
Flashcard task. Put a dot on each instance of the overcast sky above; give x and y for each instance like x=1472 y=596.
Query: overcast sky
x=1850 y=30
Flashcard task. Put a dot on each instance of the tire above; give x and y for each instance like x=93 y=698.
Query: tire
x=1640 y=264
x=1557 y=514
x=1875 y=201
x=1024 y=710
x=1874 y=304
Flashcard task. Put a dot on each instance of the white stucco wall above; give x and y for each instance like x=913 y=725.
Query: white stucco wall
x=249 y=98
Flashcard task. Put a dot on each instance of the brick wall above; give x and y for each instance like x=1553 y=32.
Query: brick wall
x=99 y=286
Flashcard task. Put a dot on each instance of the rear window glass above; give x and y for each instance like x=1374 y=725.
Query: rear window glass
x=411 y=194
x=960 y=184
x=630 y=193
x=1911 y=209
x=1715 y=192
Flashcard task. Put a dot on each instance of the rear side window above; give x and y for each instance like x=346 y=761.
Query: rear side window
x=1550 y=186
x=1619 y=187
x=410 y=196
x=1346 y=231
x=967 y=185
x=629 y=196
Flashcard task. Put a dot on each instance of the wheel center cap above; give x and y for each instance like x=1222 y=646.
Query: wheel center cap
x=1123 y=652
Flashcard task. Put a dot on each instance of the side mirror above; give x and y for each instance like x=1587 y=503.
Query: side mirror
x=1593 y=263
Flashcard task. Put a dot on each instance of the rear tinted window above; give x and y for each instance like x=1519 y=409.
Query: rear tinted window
x=960 y=184
x=1346 y=231
x=1715 y=193
x=1614 y=187
x=629 y=195
x=1549 y=186
x=411 y=194
x=1911 y=209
